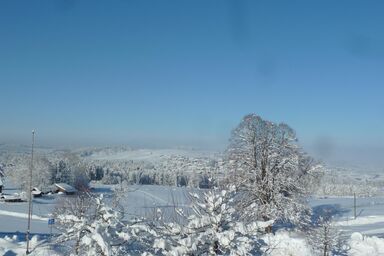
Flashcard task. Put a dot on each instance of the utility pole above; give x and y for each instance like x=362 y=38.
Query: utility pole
x=30 y=193
x=354 y=204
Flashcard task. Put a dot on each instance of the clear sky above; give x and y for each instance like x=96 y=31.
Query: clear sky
x=186 y=72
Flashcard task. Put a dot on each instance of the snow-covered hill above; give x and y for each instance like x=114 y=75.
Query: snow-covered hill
x=150 y=155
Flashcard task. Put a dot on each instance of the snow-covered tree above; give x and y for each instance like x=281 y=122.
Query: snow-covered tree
x=326 y=239
x=69 y=168
x=17 y=168
x=62 y=173
x=269 y=169
x=93 y=227
x=212 y=229
x=90 y=227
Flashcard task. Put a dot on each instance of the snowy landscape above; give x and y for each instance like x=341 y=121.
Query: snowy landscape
x=191 y=128
x=135 y=201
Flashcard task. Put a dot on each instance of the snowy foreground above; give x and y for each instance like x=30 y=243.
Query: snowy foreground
x=365 y=234
x=283 y=243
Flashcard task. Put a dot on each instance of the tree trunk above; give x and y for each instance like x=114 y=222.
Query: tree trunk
x=268 y=229
x=325 y=250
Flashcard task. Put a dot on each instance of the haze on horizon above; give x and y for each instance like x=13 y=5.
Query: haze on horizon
x=178 y=73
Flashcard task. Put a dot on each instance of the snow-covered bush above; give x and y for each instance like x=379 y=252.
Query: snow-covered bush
x=213 y=229
x=90 y=227
x=93 y=227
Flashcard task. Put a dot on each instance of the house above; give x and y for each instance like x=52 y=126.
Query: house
x=36 y=192
x=65 y=188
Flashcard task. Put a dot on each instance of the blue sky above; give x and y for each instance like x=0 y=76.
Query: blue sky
x=185 y=72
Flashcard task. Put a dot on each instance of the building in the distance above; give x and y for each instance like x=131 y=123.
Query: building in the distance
x=65 y=188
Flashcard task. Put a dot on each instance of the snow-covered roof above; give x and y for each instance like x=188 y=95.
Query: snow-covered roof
x=36 y=191
x=65 y=187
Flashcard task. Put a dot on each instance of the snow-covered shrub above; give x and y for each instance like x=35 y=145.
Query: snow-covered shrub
x=213 y=229
x=93 y=227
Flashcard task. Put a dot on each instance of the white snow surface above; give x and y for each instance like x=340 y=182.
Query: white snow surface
x=282 y=243
x=366 y=232
x=286 y=244
x=12 y=246
x=365 y=245
x=21 y=215
x=362 y=221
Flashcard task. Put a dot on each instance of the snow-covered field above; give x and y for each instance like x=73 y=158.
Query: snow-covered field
x=365 y=234
x=140 y=201
x=143 y=200
x=369 y=211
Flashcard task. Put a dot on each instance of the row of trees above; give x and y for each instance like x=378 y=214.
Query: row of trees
x=70 y=168
x=336 y=183
x=171 y=170
x=66 y=167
